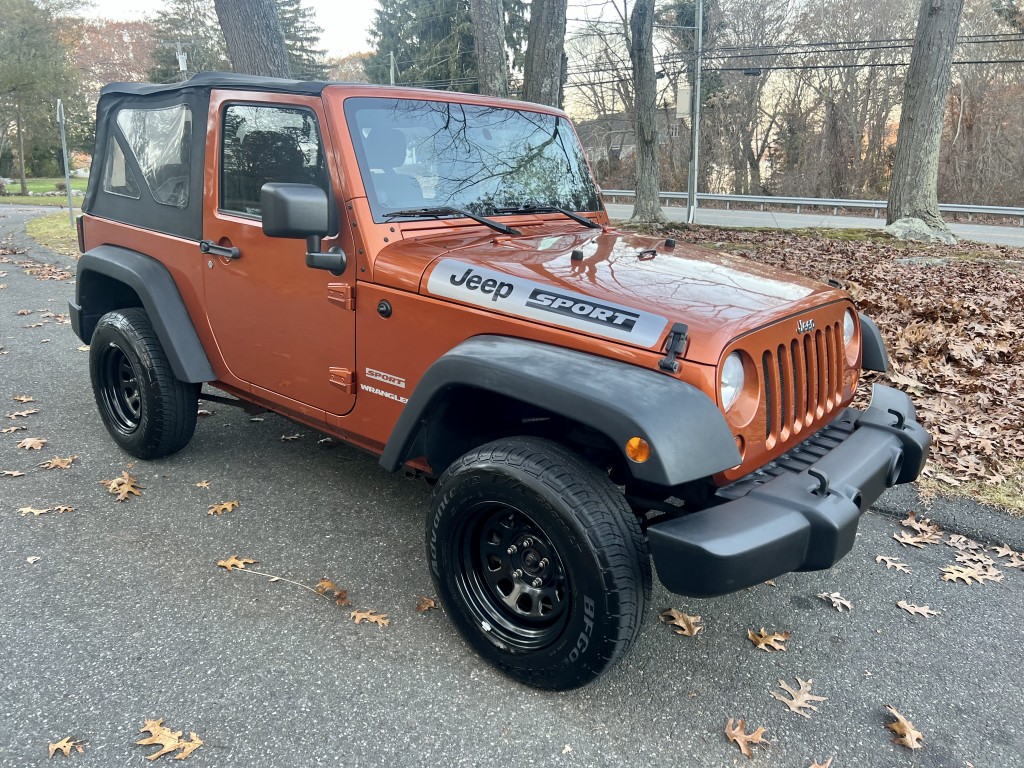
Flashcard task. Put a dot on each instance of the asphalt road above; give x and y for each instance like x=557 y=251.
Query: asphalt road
x=984 y=233
x=126 y=617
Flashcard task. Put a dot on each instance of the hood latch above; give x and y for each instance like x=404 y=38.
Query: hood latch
x=675 y=346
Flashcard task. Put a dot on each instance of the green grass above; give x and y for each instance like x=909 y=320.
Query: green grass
x=54 y=231
x=46 y=185
x=38 y=186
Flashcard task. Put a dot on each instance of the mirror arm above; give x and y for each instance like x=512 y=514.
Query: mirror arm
x=334 y=260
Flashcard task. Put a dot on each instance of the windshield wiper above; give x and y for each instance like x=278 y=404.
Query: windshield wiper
x=550 y=209
x=446 y=210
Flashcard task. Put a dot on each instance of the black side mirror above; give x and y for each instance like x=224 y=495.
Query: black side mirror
x=301 y=211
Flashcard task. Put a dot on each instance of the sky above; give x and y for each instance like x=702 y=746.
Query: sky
x=346 y=23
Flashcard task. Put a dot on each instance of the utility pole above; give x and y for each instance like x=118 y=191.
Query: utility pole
x=691 y=182
x=182 y=60
x=393 y=67
x=67 y=161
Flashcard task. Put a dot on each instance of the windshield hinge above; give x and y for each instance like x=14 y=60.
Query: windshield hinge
x=674 y=347
x=342 y=294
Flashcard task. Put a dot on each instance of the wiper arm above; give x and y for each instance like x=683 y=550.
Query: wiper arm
x=446 y=210
x=550 y=209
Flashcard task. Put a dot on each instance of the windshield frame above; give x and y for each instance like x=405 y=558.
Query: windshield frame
x=563 y=131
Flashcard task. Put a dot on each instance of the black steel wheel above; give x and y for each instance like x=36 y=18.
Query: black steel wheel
x=147 y=411
x=538 y=561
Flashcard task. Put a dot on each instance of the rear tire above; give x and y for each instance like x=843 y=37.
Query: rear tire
x=538 y=561
x=147 y=411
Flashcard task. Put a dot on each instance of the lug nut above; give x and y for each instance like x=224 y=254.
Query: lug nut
x=543 y=563
x=518 y=573
x=527 y=543
x=512 y=550
x=537 y=582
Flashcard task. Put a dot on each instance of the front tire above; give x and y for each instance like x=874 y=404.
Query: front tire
x=539 y=561
x=147 y=411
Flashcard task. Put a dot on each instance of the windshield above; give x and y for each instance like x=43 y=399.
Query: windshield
x=429 y=154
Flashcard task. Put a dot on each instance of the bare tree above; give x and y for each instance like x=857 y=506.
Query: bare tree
x=252 y=31
x=647 y=206
x=913 y=192
x=489 y=36
x=544 y=68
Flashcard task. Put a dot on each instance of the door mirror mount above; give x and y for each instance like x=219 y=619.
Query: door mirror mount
x=301 y=211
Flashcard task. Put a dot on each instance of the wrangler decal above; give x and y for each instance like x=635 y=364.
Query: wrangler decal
x=526 y=298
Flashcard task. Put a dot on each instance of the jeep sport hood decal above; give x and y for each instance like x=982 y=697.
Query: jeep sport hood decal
x=517 y=296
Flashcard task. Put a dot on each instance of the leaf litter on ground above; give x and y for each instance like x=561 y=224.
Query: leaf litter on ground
x=962 y=352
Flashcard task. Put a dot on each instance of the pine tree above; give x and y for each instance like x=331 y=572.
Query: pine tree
x=432 y=42
x=193 y=24
x=302 y=39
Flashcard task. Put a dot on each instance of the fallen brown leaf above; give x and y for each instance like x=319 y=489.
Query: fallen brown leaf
x=893 y=563
x=59 y=463
x=236 y=562
x=203 y=484
x=224 y=506
x=12 y=473
x=801 y=699
x=65 y=745
x=742 y=739
x=380 y=619
x=169 y=741
x=22 y=414
x=837 y=600
x=768 y=641
x=970 y=574
x=24 y=511
x=11 y=430
x=906 y=734
x=123 y=486
x=290 y=438
x=962 y=543
x=33 y=443
x=425 y=604
x=63 y=508
x=23 y=399
x=688 y=625
x=917 y=610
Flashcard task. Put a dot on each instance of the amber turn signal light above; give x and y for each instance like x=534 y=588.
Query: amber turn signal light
x=638 y=449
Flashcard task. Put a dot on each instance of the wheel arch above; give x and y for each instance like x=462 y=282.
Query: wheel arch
x=607 y=400
x=111 y=277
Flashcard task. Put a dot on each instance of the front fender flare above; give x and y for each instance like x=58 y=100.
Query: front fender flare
x=688 y=435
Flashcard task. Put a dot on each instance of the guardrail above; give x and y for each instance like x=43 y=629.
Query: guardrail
x=819 y=202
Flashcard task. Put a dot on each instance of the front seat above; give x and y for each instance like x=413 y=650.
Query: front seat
x=385 y=150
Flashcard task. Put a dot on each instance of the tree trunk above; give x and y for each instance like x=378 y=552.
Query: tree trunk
x=646 y=207
x=21 y=151
x=913 y=190
x=542 y=69
x=489 y=34
x=252 y=31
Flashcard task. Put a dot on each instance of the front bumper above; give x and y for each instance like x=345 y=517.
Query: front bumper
x=798 y=513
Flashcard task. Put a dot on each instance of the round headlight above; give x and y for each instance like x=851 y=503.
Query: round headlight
x=732 y=380
x=849 y=324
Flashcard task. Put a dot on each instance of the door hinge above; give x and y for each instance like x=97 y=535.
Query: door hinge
x=342 y=294
x=342 y=378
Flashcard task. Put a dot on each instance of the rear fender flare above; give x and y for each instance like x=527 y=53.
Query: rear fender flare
x=158 y=293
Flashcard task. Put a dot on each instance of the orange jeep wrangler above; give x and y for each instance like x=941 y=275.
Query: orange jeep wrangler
x=432 y=277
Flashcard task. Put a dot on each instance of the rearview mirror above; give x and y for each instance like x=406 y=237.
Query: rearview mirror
x=301 y=211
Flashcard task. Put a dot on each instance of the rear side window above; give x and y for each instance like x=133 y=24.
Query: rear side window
x=262 y=144
x=118 y=178
x=161 y=142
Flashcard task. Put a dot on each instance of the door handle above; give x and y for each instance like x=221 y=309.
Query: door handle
x=228 y=252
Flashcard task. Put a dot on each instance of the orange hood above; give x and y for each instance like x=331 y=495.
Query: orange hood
x=624 y=287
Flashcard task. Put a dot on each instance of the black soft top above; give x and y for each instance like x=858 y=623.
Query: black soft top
x=207 y=81
x=141 y=208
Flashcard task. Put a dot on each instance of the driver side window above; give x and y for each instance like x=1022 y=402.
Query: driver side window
x=262 y=144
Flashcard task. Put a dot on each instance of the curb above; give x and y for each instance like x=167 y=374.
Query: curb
x=966 y=517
